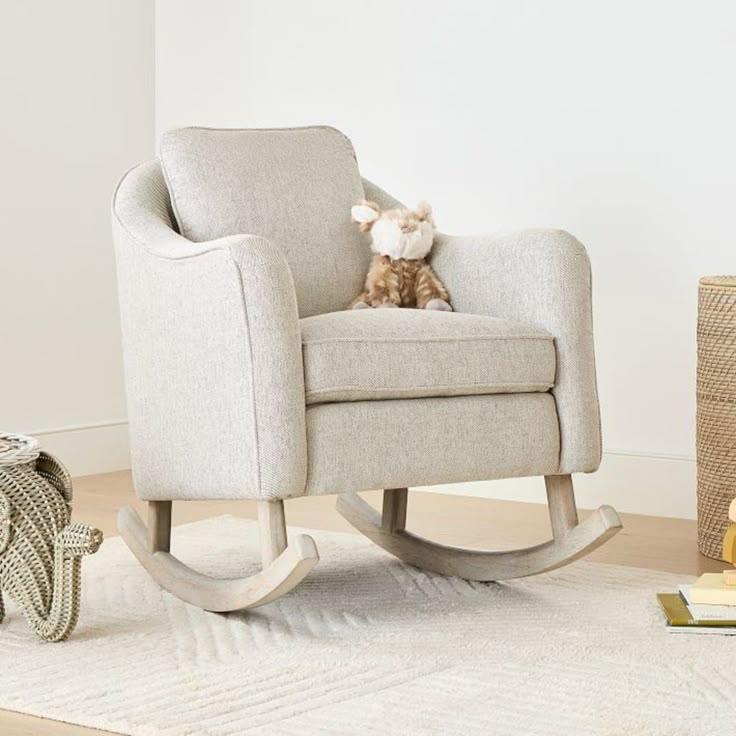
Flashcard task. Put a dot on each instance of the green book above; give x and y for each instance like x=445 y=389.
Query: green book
x=678 y=614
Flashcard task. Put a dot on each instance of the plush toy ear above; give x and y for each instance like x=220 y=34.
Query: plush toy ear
x=424 y=211
x=366 y=213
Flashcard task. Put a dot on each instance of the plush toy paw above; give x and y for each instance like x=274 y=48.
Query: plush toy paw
x=439 y=305
x=361 y=305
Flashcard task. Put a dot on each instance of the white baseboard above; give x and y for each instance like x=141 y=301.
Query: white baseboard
x=634 y=483
x=631 y=482
x=88 y=449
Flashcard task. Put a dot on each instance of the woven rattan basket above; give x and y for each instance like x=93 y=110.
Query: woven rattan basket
x=716 y=411
x=40 y=547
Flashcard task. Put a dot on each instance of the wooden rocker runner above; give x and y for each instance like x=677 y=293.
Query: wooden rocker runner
x=249 y=378
x=284 y=566
x=571 y=539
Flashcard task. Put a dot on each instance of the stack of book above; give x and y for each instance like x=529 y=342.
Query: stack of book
x=708 y=606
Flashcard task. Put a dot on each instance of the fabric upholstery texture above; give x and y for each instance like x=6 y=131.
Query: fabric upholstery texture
x=413 y=353
x=212 y=355
x=358 y=445
x=541 y=278
x=221 y=392
x=292 y=186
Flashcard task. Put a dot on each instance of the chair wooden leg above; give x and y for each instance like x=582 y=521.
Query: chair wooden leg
x=272 y=522
x=159 y=526
x=563 y=512
x=284 y=566
x=571 y=539
x=393 y=517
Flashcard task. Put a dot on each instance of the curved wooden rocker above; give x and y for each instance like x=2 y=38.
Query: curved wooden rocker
x=571 y=539
x=284 y=566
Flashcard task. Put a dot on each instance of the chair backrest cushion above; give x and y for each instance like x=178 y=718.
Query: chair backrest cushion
x=294 y=186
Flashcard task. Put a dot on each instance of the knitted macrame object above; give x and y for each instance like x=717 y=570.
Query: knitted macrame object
x=40 y=549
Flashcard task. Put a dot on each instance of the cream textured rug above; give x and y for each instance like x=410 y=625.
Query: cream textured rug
x=367 y=645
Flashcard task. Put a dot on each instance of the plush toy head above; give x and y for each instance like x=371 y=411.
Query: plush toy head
x=397 y=233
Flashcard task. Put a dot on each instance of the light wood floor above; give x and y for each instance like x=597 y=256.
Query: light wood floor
x=646 y=541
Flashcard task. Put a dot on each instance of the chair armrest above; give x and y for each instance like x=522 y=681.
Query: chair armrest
x=213 y=360
x=543 y=278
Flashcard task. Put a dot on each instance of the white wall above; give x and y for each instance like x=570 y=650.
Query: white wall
x=613 y=120
x=76 y=110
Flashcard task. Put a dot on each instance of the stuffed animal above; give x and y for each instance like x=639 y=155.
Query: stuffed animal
x=399 y=275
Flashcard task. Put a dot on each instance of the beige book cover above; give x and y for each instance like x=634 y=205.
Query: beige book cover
x=710 y=588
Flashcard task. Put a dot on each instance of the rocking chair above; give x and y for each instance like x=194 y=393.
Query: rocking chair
x=248 y=378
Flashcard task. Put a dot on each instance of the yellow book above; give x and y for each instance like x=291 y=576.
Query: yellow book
x=710 y=588
x=675 y=610
x=679 y=615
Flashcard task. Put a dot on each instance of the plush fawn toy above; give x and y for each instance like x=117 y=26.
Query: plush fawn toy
x=399 y=275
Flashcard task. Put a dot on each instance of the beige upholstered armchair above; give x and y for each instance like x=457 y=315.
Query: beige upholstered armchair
x=248 y=377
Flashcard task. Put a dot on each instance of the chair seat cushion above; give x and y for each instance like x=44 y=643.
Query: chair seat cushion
x=409 y=353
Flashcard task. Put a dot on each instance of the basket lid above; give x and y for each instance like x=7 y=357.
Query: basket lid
x=724 y=282
x=18 y=449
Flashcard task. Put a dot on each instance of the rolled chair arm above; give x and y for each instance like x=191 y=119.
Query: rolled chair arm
x=212 y=355
x=543 y=278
